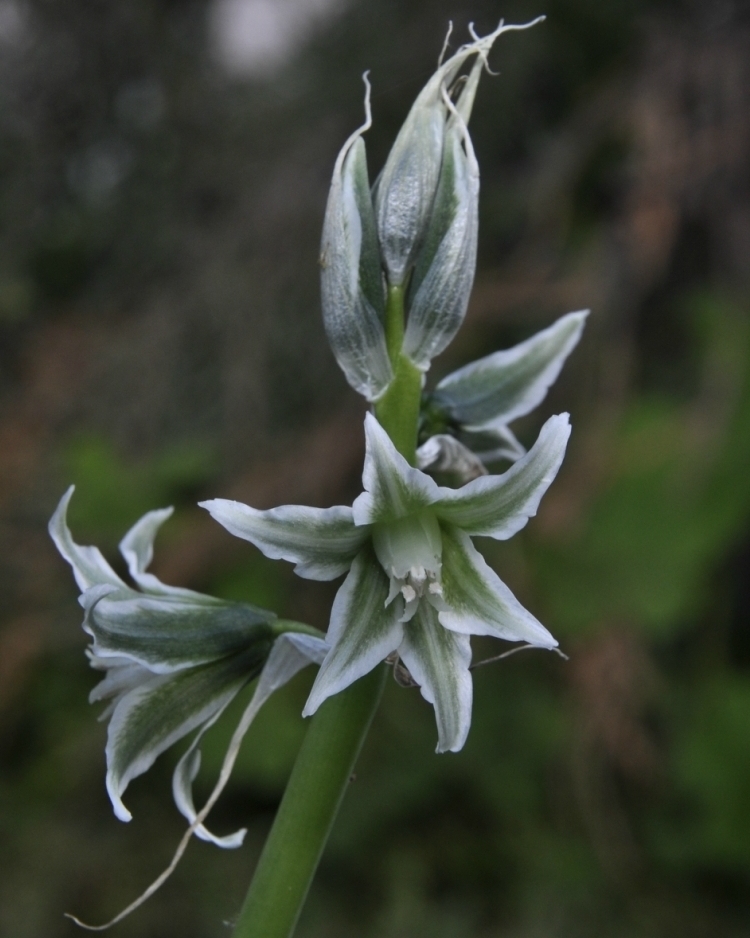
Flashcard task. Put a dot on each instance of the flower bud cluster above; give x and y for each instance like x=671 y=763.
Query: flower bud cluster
x=414 y=232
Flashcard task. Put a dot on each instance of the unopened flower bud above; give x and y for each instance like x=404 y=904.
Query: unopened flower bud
x=444 y=273
x=408 y=185
x=352 y=289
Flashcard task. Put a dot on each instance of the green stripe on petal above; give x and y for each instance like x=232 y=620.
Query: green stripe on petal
x=167 y=635
x=321 y=541
x=439 y=660
x=478 y=601
x=506 y=385
x=500 y=505
x=393 y=488
x=444 y=274
x=363 y=630
x=152 y=717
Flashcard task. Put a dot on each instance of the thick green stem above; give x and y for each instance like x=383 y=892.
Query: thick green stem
x=307 y=811
x=398 y=409
x=336 y=733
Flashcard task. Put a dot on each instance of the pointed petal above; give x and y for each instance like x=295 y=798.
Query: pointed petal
x=166 y=635
x=505 y=385
x=393 y=488
x=500 y=505
x=152 y=717
x=321 y=541
x=137 y=547
x=363 y=630
x=444 y=273
x=89 y=566
x=352 y=292
x=439 y=660
x=478 y=600
x=291 y=652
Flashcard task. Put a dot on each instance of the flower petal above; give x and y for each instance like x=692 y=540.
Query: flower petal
x=153 y=716
x=500 y=505
x=353 y=298
x=478 y=600
x=444 y=272
x=493 y=444
x=137 y=547
x=89 y=566
x=444 y=453
x=393 y=488
x=363 y=630
x=291 y=652
x=122 y=675
x=321 y=541
x=185 y=774
x=439 y=660
x=164 y=634
x=505 y=385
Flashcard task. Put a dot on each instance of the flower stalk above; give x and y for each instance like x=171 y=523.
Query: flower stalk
x=324 y=764
x=308 y=809
x=398 y=409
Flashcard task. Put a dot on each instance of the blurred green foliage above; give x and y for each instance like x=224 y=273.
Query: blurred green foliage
x=112 y=493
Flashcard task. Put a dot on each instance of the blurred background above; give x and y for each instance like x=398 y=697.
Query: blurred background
x=164 y=167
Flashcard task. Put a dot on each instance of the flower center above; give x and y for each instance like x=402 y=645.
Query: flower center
x=410 y=552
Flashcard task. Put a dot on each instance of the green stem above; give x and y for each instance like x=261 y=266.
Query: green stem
x=398 y=409
x=324 y=765
x=311 y=801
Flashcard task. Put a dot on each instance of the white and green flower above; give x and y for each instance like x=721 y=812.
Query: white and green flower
x=416 y=586
x=174 y=658
x=466 y=418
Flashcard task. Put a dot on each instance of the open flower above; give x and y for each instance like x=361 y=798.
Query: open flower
x=465 y=419
x=416 y=585
x=174 y=659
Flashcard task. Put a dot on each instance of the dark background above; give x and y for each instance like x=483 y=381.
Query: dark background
x=163 y=173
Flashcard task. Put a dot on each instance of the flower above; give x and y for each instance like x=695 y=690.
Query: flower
x=174 y=659
x=415 y=585
x=415 y=232
x=465 y=419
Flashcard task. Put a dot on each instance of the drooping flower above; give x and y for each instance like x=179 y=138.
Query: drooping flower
x=416 y=231
x=465 y=420
x=173 y=659
x=415 y=585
